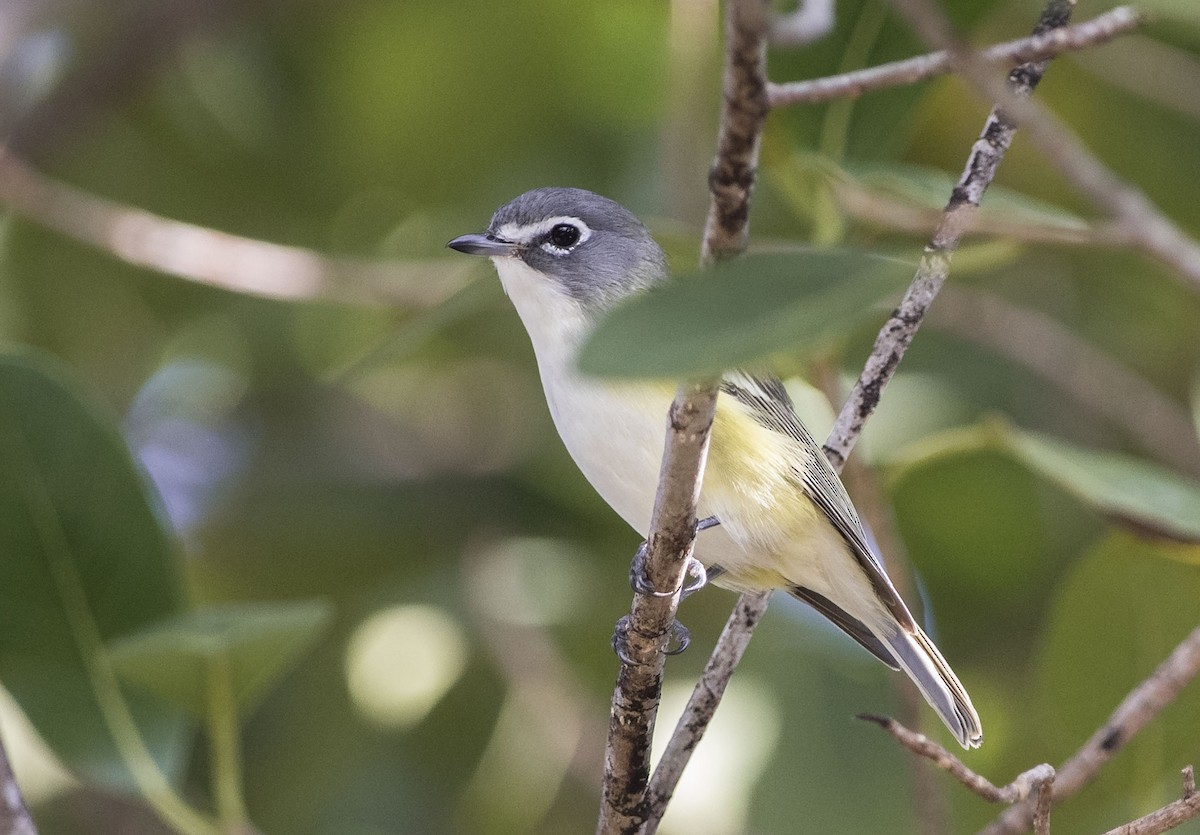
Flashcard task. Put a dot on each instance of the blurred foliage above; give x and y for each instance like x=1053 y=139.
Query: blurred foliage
x=400 y=464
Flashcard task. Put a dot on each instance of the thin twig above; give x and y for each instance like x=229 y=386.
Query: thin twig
x=889 y=347
x=1169 y=816
x=642 y=636
x=1039 y=47
x=703 y=703
x=1137 y=709
x=1022 y=787
x=14 y=815
x=1141 y=221
x=216 y=258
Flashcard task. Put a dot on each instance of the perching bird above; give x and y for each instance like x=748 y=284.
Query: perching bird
x=565 y=256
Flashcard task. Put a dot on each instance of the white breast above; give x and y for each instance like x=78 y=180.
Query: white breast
x=613 y=430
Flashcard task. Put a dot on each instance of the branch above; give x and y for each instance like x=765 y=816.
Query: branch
x=897 y=334
x=14 y=816
x=1169 y=816
x=1024 y=786
x=1144 y=703
x=216 y=258
x=704 y=700
x=1039 y=47
x=1140 y=221
x=890 y=346
x=642 y=636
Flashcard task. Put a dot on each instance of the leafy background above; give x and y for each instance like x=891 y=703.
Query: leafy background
x=391 y=470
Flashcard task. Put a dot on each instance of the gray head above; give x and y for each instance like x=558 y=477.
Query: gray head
x=593 y=248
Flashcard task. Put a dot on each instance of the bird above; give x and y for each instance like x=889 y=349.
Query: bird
x=782 y=518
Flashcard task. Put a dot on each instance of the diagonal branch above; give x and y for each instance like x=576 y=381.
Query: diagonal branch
x=642 y=636
x=1144 y=703
x=1038 y=47
x=890 y=346
x=1140 y=221
x=1169 y=816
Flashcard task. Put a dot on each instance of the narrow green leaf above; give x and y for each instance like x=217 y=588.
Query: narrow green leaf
x=84 y=559
x=255 y=643
x=1129 y=489
x=742 y=310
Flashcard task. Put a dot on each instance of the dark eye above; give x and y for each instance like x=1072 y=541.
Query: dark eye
x=564 y=236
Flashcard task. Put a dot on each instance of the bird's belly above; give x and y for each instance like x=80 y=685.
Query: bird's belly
x=615 y=434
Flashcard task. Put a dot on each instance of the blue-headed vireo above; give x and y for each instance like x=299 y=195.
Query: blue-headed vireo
x=565 y=256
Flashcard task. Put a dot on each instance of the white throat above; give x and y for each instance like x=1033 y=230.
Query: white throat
x=556 y=323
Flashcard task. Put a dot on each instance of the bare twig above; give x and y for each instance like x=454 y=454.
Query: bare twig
x=219 y=259
x=14 y=816
x=1141 y=222
x=703 y=702
x=1022 y=787
x=1169 y=816
x=912 y=70
x=642 y=636
x=900 y=329
x=1134 y=713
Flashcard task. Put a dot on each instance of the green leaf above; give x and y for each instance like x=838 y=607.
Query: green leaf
x=85 y=559
x=1126 y=488
x=1131 y=490
x=742 y=310
x=253 y=643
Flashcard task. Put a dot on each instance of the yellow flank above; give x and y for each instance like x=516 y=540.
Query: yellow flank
x=758 y=471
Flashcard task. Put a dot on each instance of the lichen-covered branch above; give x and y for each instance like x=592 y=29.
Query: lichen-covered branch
x=897 y=334
x=643 y=635
x=1141 y=223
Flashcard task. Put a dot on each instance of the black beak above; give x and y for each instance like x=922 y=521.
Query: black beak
x=485 y=245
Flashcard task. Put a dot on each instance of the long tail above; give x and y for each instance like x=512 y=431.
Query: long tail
x=918 y=657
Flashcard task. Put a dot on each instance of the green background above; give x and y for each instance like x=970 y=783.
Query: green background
x=398 y=461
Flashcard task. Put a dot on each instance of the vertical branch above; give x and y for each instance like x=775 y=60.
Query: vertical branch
x=641 y=638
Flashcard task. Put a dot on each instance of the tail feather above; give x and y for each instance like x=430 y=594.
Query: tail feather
x=918 y=657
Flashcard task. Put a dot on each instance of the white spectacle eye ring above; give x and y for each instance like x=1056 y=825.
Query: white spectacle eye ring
x=541 y=234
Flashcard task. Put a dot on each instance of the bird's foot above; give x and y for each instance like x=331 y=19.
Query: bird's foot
x=700 y=575
x=680 y=638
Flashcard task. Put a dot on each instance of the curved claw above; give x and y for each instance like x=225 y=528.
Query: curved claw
x=637 y=574
x=620 y=642
x=699 y=577
x=681 y=637
x=637 y=568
